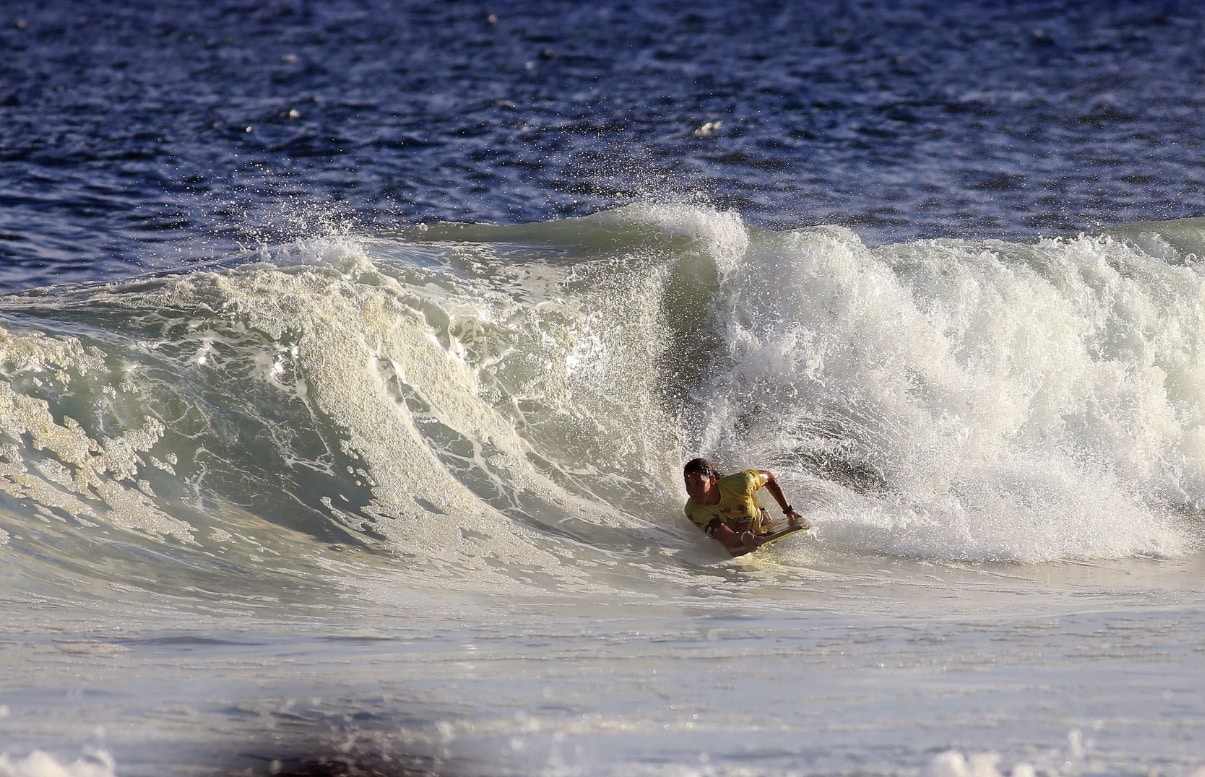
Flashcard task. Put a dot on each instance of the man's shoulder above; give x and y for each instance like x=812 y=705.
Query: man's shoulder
x=745 y=480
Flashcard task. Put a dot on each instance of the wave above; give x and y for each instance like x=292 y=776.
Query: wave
x=512 y=403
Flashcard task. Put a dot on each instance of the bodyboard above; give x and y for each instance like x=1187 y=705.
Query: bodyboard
x=771 y=538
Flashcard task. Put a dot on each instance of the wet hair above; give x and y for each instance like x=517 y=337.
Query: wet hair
x=701 y=466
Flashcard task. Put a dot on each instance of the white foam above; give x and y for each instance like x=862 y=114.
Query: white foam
x=89 y=475
x=1006 y=401
x=954 y=764
x=41 y=764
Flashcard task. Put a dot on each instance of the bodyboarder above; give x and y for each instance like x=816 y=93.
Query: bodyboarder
x=726 y=508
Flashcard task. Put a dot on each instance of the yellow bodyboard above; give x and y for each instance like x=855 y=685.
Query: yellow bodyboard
x=776 y=534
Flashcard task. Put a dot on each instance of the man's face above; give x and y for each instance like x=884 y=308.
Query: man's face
x=698 y=484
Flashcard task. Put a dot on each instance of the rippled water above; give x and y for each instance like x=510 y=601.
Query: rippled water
x=202 y=127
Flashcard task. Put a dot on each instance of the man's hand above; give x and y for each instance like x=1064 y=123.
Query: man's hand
x=796 y=519
x=734 y=541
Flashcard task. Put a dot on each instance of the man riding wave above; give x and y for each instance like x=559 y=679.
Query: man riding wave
x=726 y=508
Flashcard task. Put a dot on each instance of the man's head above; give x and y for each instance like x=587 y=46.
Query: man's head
x=700 y=476
x=700 y=466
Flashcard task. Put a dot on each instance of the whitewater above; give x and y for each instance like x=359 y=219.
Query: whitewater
x=408 y=502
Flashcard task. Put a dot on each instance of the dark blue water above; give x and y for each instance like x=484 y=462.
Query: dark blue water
x=144 y=135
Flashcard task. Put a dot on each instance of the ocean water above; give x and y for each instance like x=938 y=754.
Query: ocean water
x=350 y=352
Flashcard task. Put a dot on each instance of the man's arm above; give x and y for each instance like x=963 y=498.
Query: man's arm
x=770 y=483
x=735 y=541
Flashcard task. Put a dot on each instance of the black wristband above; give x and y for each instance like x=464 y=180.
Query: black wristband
x=788 y=510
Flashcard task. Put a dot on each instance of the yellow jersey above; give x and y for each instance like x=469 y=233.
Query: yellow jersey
x=738 y=507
